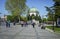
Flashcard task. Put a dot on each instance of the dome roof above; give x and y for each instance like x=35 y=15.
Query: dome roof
x=33 y=10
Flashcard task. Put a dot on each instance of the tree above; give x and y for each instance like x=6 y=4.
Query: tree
x=56 y=0
x=15 y=7
x=56 y=9
x=9 y=17
x=50 y=14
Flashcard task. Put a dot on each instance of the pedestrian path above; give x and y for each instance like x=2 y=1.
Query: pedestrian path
x=44 y=34
x=28 y=32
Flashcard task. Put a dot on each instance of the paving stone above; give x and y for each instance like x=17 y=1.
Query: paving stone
x=18 y=32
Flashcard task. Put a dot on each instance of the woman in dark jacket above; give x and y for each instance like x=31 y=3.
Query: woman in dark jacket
x=33 y=24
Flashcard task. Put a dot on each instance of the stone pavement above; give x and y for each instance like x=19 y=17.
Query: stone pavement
x=28 y=32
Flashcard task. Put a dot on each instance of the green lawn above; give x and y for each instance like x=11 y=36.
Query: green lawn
x=56 y=29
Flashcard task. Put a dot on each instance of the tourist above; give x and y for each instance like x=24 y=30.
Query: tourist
x=9 y=23
x=33 y=24
x=6 y=23
x=14 y=23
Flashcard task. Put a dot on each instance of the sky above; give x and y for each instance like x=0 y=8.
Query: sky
x=39 y=4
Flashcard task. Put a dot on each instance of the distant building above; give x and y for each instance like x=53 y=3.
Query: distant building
x=4 y=18
x=33 y=12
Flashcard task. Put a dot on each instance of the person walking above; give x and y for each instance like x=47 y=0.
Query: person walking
x=22 y=23
x=14 y=23
x=9 y=23
x=33 y=24
x=6 y=23
x=39 y=24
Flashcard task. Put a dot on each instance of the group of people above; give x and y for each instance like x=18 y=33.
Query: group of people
x=24 y=24
x=40 y=25
x=7 y=23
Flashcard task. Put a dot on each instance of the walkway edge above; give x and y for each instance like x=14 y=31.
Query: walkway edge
x=49 y=30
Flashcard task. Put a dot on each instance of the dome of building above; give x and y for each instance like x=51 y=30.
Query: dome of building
x=33 y=10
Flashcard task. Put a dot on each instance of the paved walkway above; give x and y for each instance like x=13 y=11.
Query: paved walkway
x=18 y=32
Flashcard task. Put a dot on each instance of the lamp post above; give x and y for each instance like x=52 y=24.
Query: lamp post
x=42 y=20
x=52 y=12
x=50 y=9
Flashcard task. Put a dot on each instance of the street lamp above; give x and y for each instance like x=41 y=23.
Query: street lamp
x=52 y=12
x=50 y=9
x=42 y=20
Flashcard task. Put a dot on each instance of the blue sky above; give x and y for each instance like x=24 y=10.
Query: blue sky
x=39 y=4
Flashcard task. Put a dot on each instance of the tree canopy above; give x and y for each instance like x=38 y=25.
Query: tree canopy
x=57 y=7
x=15 y=7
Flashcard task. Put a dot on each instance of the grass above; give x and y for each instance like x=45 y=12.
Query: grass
x=56 y=29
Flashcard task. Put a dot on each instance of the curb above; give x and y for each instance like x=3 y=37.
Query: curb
x=51 y=31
